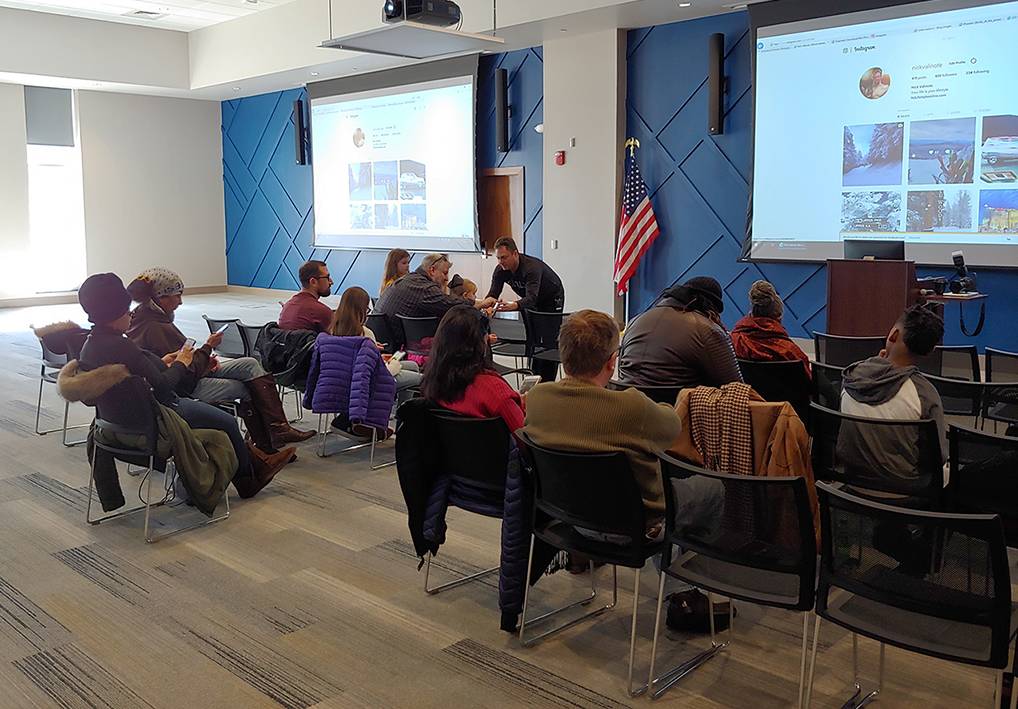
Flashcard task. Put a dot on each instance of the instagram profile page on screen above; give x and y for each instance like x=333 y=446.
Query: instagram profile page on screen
x=887 y=127
x=395 y=167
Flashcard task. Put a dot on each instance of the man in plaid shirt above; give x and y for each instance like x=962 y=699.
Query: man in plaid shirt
x=421 y=293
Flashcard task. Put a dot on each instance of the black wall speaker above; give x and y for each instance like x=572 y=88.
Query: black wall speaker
x=300 y=154
x=502 y=110
x=716 y=84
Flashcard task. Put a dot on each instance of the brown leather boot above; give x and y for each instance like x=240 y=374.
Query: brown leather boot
x=264 y=467
x=265 y=398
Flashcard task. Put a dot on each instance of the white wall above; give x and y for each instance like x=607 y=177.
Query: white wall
x=153 y=184
x=49 y=45
x=584 y=95
x=14 y=226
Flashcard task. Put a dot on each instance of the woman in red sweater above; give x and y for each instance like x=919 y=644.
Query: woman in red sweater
x=458 y=376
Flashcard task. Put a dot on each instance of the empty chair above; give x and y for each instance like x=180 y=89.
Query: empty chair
x=415 y=330
x=901 y=461
x=739 y=536
x=1002 y=366
x=474 y=455
x=49 y=367
x=512 y=336
x=595 y=493
x=780 y=381
x=827 y=384
x=974 y=399
x=932 y=583
x=984 y=476
x=233 y=344
x=251 y=335
x=842 y=351
x=387 y=335
x=659 y=394
x=953 y=362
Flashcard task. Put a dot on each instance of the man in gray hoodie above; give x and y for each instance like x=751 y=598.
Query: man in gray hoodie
x=890 y=386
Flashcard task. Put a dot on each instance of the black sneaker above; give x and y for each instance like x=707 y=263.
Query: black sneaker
x=689 y=612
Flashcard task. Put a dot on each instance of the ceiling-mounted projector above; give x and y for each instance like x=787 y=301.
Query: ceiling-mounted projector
x=438 y=13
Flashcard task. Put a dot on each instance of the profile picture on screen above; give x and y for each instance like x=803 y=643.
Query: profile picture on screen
x=359 y=138
x=870 y=212
x=998 y=211
x=941 y=152
x=1000 y=149
x=875 y=83
x=872 y=154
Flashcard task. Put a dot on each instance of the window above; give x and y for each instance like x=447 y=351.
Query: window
x=56 y=207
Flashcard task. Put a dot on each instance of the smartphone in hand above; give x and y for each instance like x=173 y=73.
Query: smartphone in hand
x=188 y=343
x=528 y=383
x=221 y=330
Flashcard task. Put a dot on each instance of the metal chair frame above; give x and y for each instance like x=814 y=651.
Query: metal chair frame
x=49 y=367
x=325 y=428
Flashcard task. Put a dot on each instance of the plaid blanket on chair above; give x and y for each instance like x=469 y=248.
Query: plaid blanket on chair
x=721 y=427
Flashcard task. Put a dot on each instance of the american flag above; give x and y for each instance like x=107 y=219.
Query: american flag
x=639 y=225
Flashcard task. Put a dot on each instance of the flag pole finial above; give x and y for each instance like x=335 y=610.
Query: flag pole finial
x=632 y=144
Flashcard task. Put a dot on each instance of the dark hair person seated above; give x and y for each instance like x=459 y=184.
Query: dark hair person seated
x=459 y=375
x=107 y=303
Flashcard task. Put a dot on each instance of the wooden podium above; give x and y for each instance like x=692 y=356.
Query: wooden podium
x=865 y=298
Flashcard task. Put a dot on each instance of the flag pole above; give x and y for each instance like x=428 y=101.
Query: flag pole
x=631 y=144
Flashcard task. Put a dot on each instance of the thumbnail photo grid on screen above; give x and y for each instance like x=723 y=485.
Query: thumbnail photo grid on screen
x=388 y=195
x=950 y=176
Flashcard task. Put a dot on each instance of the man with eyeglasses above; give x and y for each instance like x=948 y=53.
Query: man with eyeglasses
x=305 y=310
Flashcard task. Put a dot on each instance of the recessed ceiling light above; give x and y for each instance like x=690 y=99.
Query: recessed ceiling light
x=563 y=29
x=685 y=4
x=314 y=73
x=236 y=88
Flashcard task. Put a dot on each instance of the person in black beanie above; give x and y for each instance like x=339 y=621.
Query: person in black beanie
x=680 y=341
x=107 y=303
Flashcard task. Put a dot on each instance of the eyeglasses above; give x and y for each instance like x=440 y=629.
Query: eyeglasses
x=324 y=278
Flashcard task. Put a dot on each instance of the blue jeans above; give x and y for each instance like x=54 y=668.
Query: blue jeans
x=198 y=414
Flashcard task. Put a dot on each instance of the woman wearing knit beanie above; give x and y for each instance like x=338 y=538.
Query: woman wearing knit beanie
x=760 y=335
x=107 y=303
x=159 y=293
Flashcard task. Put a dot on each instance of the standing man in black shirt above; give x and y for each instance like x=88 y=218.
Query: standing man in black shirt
x=532 y=279
x=538 y=286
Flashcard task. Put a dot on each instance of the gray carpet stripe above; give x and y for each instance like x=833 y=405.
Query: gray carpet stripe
x=22 y=621
x=543 y=685
x=116 y=576
x=74 y=681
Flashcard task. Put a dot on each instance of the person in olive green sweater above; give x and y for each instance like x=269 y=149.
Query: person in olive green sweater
x=579 y=414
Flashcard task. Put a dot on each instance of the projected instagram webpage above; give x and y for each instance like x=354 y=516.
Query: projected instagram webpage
x=897 y=129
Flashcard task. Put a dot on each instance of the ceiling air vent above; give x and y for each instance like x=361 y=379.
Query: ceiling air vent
x=145 y=15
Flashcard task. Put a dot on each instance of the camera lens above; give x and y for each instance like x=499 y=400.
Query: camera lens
x=393 y=9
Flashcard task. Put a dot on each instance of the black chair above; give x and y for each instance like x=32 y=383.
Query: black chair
x=542 y=335
x=974 y=399
x=49 y=368
x=233 y=344
x=251 y=336
x=1002 y=366
x=952 y=362
x=984 y=476
x=474 y=453
x=512 y=336
x=658 y=394
x=750 y=538
x=385 y=333
x=856 y=452
x=827 y=384
x=780 y=381
x=134 y=413
x=595 y=492
x=415 y=330
x=932 y=583
x=842 y=351
x=290 y=373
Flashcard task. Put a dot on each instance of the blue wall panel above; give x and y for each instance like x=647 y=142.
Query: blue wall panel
x=700 y=184
x=269 y=199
